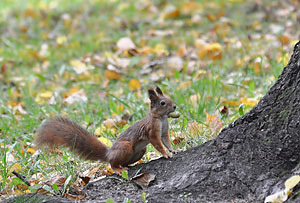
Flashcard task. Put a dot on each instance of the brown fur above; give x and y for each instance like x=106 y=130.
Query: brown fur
x=130 y=145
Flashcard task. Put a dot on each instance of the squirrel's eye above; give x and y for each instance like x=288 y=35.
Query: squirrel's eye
x=162 y=103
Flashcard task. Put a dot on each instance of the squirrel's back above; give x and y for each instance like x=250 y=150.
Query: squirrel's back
x=60 y=131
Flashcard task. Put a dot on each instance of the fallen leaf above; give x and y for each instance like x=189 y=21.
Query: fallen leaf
x=86 y=176
x=74 y=197
x=125 y=44
x=111 y=73
x=292 y=182
x=43 y=97
x=190 y=7
x=195 y=99
x=171 y=14
x=134 y=84
x=195 y=128
x=175 y=62
x=78 y=66
x=161 y=32
x=248 y=101
x=143 y=179
x=224 y=110
x=109 y=123
x=284 y=39
x=177 y=140
x=78 y=96
x=214 y=123
x=160 y=49
x=61 y=40
x=15 y=167
x=107 y=171
x=211 y=51
x=31 y=150
x=278 y=197
x=105 y=141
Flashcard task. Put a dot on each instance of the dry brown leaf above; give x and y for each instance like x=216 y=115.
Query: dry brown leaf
x=107 y=171
x=74 y=197
x=143 y=179
x=177 y=140
x=172 y=14
x=112 y=75
x=87 y=175
x=214 y=123
x=194 y=99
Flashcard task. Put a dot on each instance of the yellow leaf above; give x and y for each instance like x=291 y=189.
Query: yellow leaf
x=31 y=150
x=134 y=84
x=72 y=91
x=248 y=102
x=112 y=75
x=292 y=182
x=61 y=40
x=102 y=130
x=284 y=59
x=212 y=51
x=105 y=141
x=46 y=94
x=43 y=97
x=120 y=107
x=16 y=167
x=99 y=131
x=78 y=66
x=190 y=7
x=231 y=103
x=211 y=17
x=185 y=85
x=160 y=49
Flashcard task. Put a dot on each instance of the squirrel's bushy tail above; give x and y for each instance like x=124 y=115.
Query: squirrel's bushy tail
x=60 y=131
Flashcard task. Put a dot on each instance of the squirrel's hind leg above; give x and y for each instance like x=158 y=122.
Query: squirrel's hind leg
x=137 y=156
x=119 y=154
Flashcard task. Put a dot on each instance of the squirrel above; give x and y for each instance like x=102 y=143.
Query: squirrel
x=129 y=147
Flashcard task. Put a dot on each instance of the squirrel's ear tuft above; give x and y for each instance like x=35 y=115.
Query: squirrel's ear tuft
x=152 y=95
x=158 y=90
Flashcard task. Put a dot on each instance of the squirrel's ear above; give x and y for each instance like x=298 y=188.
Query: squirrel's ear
x=152 y=95
x=158 y=90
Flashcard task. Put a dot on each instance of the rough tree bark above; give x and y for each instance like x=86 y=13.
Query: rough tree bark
x=248 y=161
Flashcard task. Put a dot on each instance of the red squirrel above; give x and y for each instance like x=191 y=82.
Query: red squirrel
x=128 y=148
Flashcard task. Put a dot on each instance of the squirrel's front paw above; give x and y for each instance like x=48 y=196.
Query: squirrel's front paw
x=168 y=156
x=176 y=151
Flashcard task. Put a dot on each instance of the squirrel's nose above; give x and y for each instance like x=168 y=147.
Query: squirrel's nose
x=174 y=106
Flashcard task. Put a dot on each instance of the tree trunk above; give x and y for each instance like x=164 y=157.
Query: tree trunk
x=248 y=161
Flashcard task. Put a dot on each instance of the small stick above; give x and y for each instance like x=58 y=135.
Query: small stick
x=21 y=177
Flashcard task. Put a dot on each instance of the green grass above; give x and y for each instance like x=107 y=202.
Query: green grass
x=92 y=28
